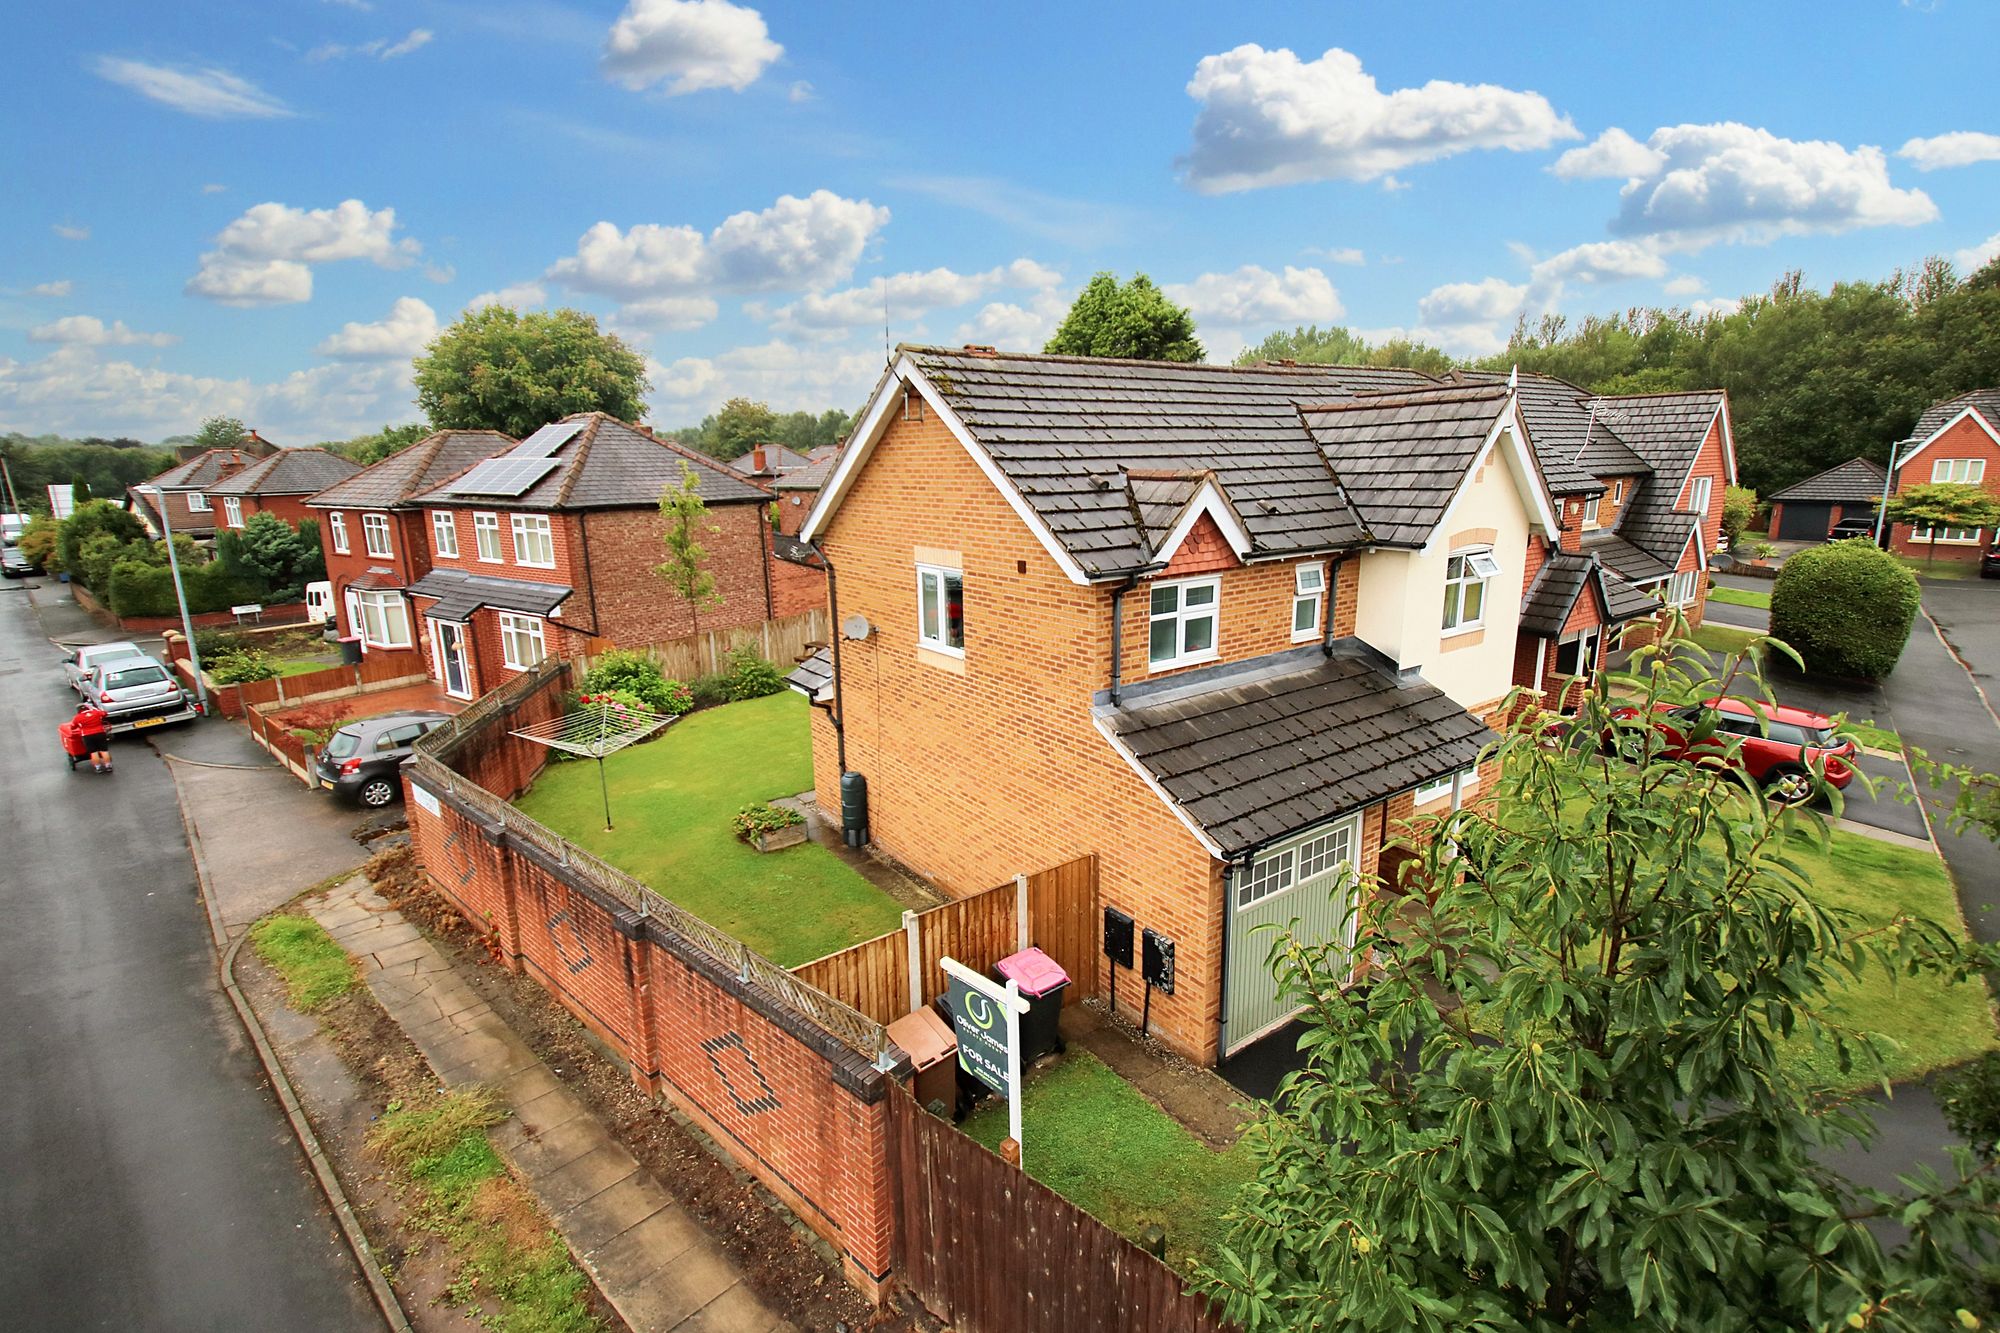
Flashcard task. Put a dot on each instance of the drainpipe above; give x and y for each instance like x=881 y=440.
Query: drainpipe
x=1888 y=485
x=1332 y=583
x=589 y=574
x=766 y=537
x=1118 y=631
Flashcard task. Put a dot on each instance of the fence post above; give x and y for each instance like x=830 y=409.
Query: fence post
x=914 y=936
x=1020 y=911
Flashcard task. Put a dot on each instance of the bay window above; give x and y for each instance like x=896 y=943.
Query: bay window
x=521 y=643
x=385 y=620
x=1680 y=589
x=941 y=609
x=1182 y=623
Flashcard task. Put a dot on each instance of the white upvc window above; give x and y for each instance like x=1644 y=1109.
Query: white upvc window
x=232 y=511
x=444 y=533
x=534 y=541
x=1182 y=623
x=1465 y=577
x=385 y=619
x=1966 y=471
x=1297 y=861
x=336 y=523
x=1680 y=589
x=1946 y=534
x=941 y=609
x=1590 y=508
x=198 y=503
x=1618 y=492
x=1440 y=788
x=375 y=535
x=486 y=533
x=1308 y=601
x=1698 y=495
x=521 y=643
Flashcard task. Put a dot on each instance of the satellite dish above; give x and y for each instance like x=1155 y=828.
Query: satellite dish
x=856 y=627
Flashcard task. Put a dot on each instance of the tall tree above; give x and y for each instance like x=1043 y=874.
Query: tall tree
x=1938 y=505
x=373 y=448
x=1337 y=346
x=79 y=490
x=498 y=369
x=684 y=519
x=221 y=433
x=739 y=425
x=1564 y=1099
x=1132 y=319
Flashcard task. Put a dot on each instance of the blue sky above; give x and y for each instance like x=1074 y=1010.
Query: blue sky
x=264 y=209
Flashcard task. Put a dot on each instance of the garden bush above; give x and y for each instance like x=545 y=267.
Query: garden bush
x=1969 y=1096
x=216 y=643
x=140 y=589
x=1845 y=608
x=241 y=666
x=622 y=671
x=763 y=817
x=750 y=676
x=708 y=691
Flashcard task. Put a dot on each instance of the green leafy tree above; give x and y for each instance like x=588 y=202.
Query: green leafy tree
x=38 y=542
x=1938 y=505
x=1337 y=346
x=1739 y=506
x=1132 y=319
x=684 y=520
x=272 y=556
x=498 y=369
x=1567 y=1097
x=79 y=491
x=740 y=424
x=221 y=433
x=99 y=517
x=370 y=449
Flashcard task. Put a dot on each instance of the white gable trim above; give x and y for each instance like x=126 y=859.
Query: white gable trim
x=1132 y=761
x=1207 y=499
x=1938 y=434
x=1527 y=477
x=1728 y=441
x=905 y=375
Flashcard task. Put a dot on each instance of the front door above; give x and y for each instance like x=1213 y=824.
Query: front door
x=450 y=645
x=1308 y=879
x=352 y=601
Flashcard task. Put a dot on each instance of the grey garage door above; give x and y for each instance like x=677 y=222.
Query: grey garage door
x=1804 y=522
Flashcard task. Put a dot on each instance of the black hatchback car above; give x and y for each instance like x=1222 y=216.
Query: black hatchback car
x=358 y=763
x=1989 y=562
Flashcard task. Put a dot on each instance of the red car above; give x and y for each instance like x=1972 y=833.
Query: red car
x=1780 y=758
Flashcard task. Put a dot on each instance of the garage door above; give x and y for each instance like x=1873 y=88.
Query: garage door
x=1804 y=522
x=1305 y=885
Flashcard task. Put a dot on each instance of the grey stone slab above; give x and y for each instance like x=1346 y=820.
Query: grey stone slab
x=531 y=1083
x=405 y=951
x=538 y=1154
x=585 y=1178
x=736 y=1310
x=658 y=1286
x=610 y=1213
x=550 y=1111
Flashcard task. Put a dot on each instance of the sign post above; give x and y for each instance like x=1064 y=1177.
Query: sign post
x=987 y=1018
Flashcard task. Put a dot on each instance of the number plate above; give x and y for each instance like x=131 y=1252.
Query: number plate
x=326 y=783
x=148 y=722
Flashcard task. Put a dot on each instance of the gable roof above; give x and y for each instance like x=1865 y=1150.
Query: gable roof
x=1574 y=445
x=607 y=464
x=1852 y=482
x=288 y=472
x=200 y=472
x=1564 y=577
x=1937 y=416
x=777 y=460
x=391 y=483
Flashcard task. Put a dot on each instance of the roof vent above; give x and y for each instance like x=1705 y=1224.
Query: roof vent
x=980 y=349
x=1291 y=362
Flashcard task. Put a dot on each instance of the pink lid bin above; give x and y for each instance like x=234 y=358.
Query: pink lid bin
x=1035 y=971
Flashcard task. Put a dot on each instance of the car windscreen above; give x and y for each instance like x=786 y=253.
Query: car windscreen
x=1793 y=734
x=341 y=744
x=124 y=678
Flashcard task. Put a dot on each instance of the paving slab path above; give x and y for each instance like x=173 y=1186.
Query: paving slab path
x=652 y=1261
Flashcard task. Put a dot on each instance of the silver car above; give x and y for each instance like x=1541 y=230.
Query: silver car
x=80 y=663
x=133 y=688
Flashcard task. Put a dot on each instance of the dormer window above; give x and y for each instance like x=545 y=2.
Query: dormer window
x=1308 y=601
x=1590 y=509
x=1182 y=623
x=1465 y=577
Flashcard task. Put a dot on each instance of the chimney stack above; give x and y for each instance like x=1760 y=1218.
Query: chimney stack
x=757 y=460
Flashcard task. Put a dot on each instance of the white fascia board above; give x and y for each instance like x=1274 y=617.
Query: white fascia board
x=875 y=421
x=1207 y=499
x=1939 y=433
x=1527 y=478
x=1728 y=439
x=1132 y=762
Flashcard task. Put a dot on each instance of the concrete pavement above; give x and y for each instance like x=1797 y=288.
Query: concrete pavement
x=151 y=1181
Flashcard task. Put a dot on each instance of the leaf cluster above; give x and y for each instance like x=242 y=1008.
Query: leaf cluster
x=1132 y=319
x=499 y=369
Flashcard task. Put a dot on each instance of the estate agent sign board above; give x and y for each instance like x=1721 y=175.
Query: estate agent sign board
x=987 y=1018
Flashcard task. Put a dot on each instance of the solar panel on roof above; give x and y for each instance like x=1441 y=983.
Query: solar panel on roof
x=546 y=440
x=505 y=475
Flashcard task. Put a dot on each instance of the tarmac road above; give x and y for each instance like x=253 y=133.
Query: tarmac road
x=150 y=1179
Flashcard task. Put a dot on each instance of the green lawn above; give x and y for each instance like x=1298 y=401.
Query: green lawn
x=1723 y=639
x=1102 y=1144
x=299 y=666
x=1740 y=596
x=672 y=799
x=1943 y=568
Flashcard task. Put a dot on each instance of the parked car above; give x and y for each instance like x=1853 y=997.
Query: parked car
x=1849 y=528
x=1779 y=757
x=79 y=663
x=14 y=562
x=1989 y=562
x=358 y=762
x=135 y=690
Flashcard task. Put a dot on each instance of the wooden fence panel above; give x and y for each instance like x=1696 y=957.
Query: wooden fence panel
x=989 y=1250
x=978 y=931
x=783 y=642
x=873 y=976
x=1063 y=921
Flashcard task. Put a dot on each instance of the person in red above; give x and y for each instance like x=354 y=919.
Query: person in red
x=90 y=723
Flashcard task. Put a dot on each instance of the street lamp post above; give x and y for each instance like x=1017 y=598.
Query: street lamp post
x=1889 y=484
x=180 y=595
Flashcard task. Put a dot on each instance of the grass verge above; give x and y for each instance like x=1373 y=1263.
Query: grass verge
x=1723 y=639
x=505 y=1249
x=672 y=800
x=1102 y=1144
x=316 y=970
x=1740 y=597
x=1939 y=569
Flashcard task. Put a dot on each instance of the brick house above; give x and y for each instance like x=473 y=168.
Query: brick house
x=1807 y=510
x=1955 y=440
x=183 y=488
x=549 y=548
x=767 y=462
x=278 y=484
x=375 y=539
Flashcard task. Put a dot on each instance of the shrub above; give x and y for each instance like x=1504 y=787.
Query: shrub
x=622 y=671
x=315 y=722
x=238 y=667
x=1970 y=1099
x=99 y=516
x=709 y=691
x=216 y=643
x=763 y=817
x=750 y=676
x=1739 y=506
x=141 y=589
x=1846 y=608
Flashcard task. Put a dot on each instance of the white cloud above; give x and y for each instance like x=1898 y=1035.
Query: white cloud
x=70 y=231
x=674 y=313
x=1721 y=305
x=1704 y=184
x=795 y=243
x=688 y=45
x=90 y=331
x=1975 y=257
x=1345 y=254
x=401 y=336
x=1612 y=155
x=1252 y=296
x=802 y=91
x=908 y=295
x=58 y=288
x=382 y=48
x=1960 y=148
x=213 y=188
x=441 y=273
x=1485 y=302
x=786 y=376
x=1687 y=284
x=1599 y=261
x=214 y=94
x=1471 y=318
x=1269 y=118
x=519 y=296
x=1016 y=328
x=265 y=256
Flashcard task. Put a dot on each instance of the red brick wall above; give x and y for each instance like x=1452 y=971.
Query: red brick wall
x=794 y=588
x=290 y=508
x=635 y=606
x=409 y=542
x=1967 y=439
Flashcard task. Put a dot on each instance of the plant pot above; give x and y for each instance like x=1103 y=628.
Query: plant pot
x=777 y=839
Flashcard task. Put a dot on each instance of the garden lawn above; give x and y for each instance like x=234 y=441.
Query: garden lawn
x=1943 y=568
x=1106 y=1147
x=1723 y=639
x=1740 y=596
x=672 y=799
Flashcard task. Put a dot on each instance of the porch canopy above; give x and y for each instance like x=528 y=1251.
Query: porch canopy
x=460 y=595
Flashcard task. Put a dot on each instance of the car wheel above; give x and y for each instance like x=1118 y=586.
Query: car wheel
x=1789 y=784
x=377 y=792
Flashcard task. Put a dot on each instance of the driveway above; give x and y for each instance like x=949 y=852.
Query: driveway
x=151 y=1180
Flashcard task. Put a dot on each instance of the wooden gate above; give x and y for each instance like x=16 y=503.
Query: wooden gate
x=988 y=1250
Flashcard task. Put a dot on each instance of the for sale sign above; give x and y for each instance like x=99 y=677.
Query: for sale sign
x=982 y=1033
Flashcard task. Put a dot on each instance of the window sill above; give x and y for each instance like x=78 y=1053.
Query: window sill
x=490 y=560
x=525 y=564
x=1303 y=637
x=943 y=659
x=1153 y=668
x=1457 y=631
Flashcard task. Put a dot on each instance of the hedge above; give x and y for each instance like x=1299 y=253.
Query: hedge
x=1845 y=608
x=148 y=590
